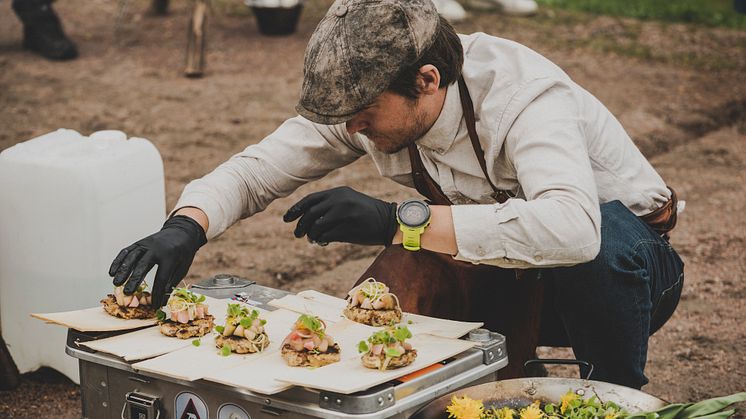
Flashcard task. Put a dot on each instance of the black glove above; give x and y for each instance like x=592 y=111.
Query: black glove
x=344 y=215
x=172 y=249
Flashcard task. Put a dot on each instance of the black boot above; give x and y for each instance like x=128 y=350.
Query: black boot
x=42 y=30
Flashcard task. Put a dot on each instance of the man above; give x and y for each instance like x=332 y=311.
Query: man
x=42 y=30
x=524 y=168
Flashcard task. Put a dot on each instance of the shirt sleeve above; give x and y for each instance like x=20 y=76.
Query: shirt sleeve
x=558 y=222
x=299 y=151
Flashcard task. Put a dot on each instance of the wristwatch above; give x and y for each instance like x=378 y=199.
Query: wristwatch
x=413 y=216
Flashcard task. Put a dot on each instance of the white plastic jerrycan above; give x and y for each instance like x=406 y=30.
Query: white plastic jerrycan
x=68 y=205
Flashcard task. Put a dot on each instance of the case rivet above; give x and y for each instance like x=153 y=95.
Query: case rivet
x=103 y=384
x=104 y=404
x=380 y=401
x=339 y=402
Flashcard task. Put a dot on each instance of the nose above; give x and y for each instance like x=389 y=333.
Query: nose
x=356 y=124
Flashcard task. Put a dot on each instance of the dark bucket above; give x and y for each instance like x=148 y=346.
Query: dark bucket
x=739 y=6
x=277 y=20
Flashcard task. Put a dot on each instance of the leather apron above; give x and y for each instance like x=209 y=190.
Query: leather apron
x=435 y=284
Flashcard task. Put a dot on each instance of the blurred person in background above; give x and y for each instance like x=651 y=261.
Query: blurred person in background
x=42 y=30
x=454 y=12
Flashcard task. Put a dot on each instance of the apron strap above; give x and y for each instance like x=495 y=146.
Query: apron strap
x=424 y=182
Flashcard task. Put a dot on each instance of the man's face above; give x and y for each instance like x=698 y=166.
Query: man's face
x=391 y=122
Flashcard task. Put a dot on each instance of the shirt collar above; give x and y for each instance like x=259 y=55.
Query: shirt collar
x=443 y=133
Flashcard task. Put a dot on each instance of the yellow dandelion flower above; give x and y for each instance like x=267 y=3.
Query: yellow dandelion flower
x=532 y=412
x=567 y=398
x=611 y=416
x=504 y=413
x=465 y=408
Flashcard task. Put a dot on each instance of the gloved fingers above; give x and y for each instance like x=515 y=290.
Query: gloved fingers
x=127 y=265
x=310 y=217
x=118 y=260
x=300 y=207
x=162 y=282
x=330 y=220
x=138 y=274
x=336 y=234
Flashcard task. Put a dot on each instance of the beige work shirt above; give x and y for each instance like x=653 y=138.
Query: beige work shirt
x=544 y=138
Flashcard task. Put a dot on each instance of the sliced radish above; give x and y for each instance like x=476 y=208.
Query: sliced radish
x=376 y=349
x=143 y=300
x=297 y=345
x=239 y=331
x=250 y=334
x=127 y=300
x=182 y=316
x=323 y=346
x=134 y=303
x=366 y=304
x=308 y=344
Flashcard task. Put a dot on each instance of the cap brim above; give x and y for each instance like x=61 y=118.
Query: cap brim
x=323 y=119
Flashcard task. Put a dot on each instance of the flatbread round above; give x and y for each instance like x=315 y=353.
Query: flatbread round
x=142 y=311
x=305 y=358
x=376 y=361
x=239 y=345
x=194 y=329
x=373 y=317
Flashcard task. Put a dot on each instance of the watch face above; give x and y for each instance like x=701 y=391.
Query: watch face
x=414 y=213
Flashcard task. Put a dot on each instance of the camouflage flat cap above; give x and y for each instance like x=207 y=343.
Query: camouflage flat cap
x=356 y=51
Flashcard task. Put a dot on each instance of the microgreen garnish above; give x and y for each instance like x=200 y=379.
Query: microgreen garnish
x=196 y=342
x=225 y=350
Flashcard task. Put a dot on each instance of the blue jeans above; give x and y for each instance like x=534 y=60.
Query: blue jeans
x=607 y=308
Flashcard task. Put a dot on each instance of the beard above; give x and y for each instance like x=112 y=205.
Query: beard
x=393 y=142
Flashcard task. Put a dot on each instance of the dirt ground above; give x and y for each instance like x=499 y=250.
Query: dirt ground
x=679 y=90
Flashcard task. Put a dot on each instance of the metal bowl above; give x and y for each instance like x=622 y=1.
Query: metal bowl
x=521 y=392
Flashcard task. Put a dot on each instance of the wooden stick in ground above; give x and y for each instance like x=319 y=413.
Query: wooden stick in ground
x=195 y=54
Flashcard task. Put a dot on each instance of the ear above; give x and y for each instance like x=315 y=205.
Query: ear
x=428 y=79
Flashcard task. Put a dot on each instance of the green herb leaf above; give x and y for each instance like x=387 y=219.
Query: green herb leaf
x=246 y=323
x=311 y=323
x=225 y=350
x=196 y=342
x=362 y=347
x=410 y=321
x=391 y=352
x=402 y=333
x=160 y=315
x=219 y=329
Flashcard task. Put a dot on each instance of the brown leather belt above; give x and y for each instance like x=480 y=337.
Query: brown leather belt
x=663 y=220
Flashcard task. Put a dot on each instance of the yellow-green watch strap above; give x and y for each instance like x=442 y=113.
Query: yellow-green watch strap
x=411 y=236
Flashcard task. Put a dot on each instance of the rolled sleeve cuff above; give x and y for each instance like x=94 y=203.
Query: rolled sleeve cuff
x=478 y=237
x=210 y=207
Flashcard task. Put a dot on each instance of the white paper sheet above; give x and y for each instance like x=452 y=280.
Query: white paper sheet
x=258 y=374
x=193 y=363
x=349 y=375
x=93 y=319
x=330 y=309
x=150 y=342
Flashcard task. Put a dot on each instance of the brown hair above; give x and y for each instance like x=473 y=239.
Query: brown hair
x=445 y=53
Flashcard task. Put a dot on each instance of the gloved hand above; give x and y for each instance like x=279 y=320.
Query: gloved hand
x=172 y=249
x=344 y=215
